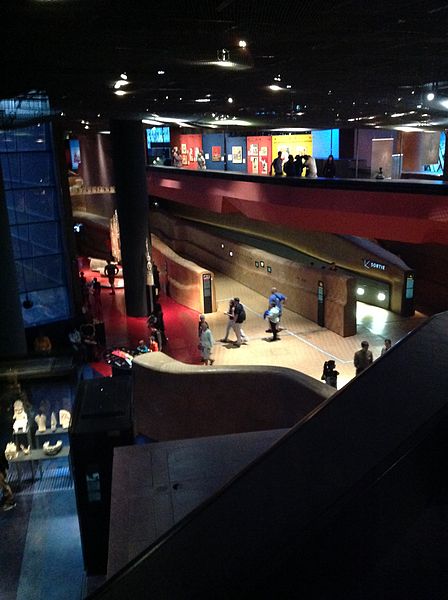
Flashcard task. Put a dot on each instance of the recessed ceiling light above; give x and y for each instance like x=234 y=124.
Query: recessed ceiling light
x=202 y=100
x=160 y=72
x=120 y=92
x=288 y=87
x=123 y=76
x=230 y=100
x=242 y=43
x=274 y=87
x=120 y=83
x=86 y=127
x=430 y=97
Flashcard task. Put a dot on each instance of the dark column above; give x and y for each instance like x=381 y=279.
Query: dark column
x=12 y=332
x=132 y=208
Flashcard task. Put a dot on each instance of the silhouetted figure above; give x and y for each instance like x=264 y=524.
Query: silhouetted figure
x=289 y=167
x=111 y=270
x=329 y=169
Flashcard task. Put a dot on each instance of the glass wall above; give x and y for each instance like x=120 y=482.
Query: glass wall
x=33 y=203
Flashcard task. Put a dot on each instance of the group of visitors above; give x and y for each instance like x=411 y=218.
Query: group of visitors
x=156 y=326
x=294 y=166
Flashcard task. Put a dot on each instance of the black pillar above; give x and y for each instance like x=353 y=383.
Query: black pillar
x=132 y=208
x=12 y=331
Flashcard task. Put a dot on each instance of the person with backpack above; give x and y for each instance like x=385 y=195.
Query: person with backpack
x=238 y=319
x=278 y=299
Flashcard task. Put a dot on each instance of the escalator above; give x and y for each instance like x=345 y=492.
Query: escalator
x=336 y=508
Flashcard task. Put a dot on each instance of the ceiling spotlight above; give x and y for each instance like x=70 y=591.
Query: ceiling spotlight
x=242 y=43
x=275 y=88
x=120 y=92
x=430 y=96
x=230 y=100
x=223 y=55
x=288 y=87
x=120 y=83
x=160 y=72
x=86 y=127
x=381 y=296
x=123 y=76
x=360 y=291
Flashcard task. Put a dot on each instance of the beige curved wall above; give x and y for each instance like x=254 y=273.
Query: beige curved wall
x=180 y=278
x=173 y=400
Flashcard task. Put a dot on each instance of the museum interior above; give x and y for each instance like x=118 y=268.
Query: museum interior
x=223 y=352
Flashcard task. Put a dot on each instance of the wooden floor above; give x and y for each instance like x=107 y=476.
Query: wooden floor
x=304 y=345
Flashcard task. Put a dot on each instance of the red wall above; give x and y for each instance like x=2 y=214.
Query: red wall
x=190 y=143
x=370 y=213
x=259 y=164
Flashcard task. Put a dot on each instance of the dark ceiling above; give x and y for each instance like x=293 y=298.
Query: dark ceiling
x=345 y=61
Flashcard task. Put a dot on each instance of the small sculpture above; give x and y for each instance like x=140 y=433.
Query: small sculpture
x=11 y=451
x=52 y=450
x=64 y=418
x=41 y=421
x=25 y=449
x=53 y=422
x=20 y=417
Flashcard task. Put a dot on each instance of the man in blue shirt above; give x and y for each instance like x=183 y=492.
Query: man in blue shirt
x=278 y=299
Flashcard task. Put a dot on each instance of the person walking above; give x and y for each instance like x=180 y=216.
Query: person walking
x=272 y=314
x=279 y=299
x=230 y=322
x=277 y=165
x=97 y=307
x=111 y=271
x=206 y=344
x=239 y=318
x=363 y=358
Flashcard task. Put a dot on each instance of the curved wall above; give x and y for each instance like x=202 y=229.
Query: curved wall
x=173 y=400
x=182 y=279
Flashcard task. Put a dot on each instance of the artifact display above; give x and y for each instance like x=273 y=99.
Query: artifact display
x=64 y=418
x=52 y=450
x=53 y=422
x=20 y=417
x=11 y=451
x=41 y=421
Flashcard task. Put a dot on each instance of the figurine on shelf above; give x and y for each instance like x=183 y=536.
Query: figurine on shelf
x=20 y=417
x=25 y=449
x=41 y=421
x=53 y=422
x=64 y=418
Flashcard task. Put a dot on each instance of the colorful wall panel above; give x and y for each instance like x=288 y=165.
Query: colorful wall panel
x=326 y=142
x=259 y=154
x=188 y=145
x=214 y=150
x=236 y=153
x=292 y=144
